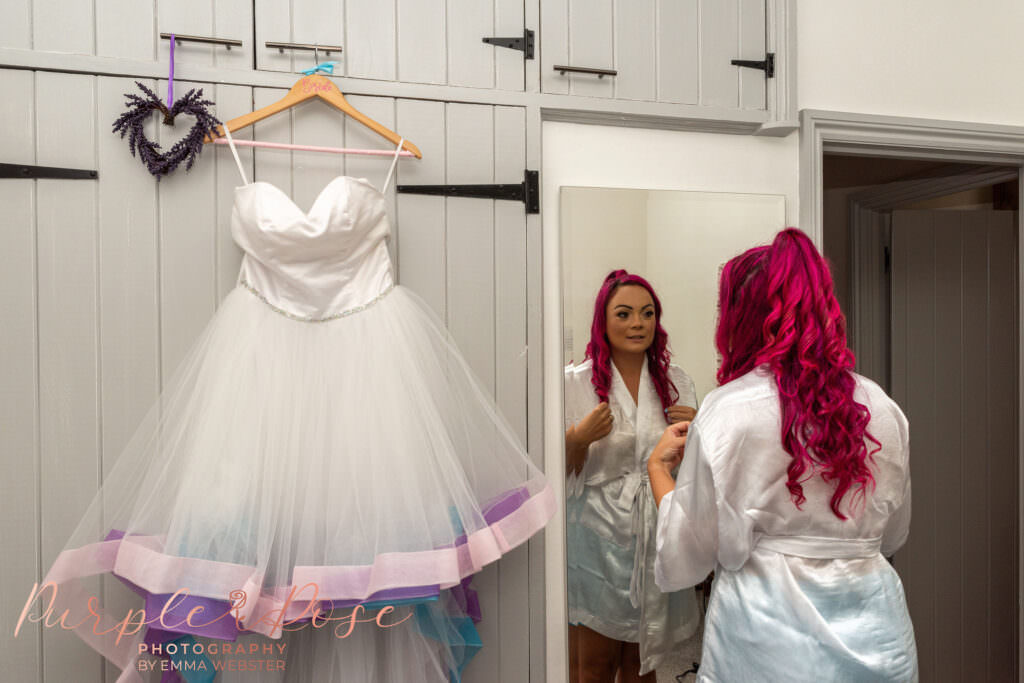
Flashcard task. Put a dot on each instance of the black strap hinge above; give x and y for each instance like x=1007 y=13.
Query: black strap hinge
x=524 y=44
x=527 y=191
x=767 y=66
x=27 y=171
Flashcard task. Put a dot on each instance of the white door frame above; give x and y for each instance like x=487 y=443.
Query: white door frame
x=824 y=132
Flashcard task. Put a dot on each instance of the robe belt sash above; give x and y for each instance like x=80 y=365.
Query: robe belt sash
x=821 y=548
x=643 y=592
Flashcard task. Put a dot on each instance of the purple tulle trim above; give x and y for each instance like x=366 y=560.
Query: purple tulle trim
x=218 y=622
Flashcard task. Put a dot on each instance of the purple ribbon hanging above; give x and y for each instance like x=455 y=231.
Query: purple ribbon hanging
x=170 y=77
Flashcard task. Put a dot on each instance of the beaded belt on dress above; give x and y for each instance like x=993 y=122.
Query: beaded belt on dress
x=310 y=319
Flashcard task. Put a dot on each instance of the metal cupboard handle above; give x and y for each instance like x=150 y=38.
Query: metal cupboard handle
x=600 y=73
x=179 y=38
x=326 y=49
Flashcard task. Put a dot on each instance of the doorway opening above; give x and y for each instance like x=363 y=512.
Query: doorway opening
x=925 y=260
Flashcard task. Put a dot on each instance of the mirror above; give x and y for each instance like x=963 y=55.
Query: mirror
x=620 y=622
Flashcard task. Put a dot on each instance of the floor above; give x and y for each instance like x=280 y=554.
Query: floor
x=682 y=660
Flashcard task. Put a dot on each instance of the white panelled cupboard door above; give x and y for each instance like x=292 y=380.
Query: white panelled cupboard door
x=67 y=297
x=674 y=51
x=109 y=282
x=130 y=29
x=232 y=19
x=412 y=41
x=19 y=378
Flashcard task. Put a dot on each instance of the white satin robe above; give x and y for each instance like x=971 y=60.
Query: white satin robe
x=611 y=520
x=799 y=594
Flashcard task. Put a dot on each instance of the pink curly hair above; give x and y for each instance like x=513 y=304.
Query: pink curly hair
x=598 y=349
x=777 y=308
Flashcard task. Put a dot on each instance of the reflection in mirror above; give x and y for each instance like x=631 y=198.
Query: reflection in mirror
x=640 y=273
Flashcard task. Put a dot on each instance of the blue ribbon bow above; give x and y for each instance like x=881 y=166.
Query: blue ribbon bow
x=326 y=67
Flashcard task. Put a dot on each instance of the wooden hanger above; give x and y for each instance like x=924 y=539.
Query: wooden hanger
x=306 y=88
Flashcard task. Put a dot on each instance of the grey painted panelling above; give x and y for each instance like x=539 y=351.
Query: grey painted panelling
x=470 y=63
x=470 y=304
x=214 y=18
x=554 y=45
x=752 y=36
x=129 y=312
x=231 y=100
x=420 y=60
x=421 y=261
x=510 y=65
x=63 y=26
x=677 y=51
x=370 y=39
x=432 y=49
x=110 y=282
x=636 y=44
x=954 y=373
x=510 y=271
x=374 y=169
x=591 y=44
x=188 y=290
x=486 y=300
x=126 y=29
x=19 y=390
x=16 y=28
x=130 y=29
x=719 y=80
x=438 y=41
x=68 y=336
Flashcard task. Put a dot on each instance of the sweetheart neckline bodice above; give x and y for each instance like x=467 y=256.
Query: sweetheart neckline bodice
x=317 y=264
x=330 y=183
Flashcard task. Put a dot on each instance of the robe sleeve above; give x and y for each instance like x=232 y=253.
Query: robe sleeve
x=897 y=528
x=573 y=481
x=687 y=535
x=684 y=385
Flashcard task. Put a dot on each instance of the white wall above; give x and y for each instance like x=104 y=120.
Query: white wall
x=942 y=59
x=592 y=249
x=690 y=236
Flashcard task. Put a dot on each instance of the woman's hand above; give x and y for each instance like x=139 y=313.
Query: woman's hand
x=666 y=455
x=680 y=414
x=595 y=426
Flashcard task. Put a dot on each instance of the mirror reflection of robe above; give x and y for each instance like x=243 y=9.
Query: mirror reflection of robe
x=799 y=594
x=611 y=520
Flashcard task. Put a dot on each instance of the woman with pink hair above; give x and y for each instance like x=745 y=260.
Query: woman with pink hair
x=794 y=486
x=618 y=402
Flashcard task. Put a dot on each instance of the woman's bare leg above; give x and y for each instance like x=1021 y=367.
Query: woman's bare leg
x=574 y=654
x=599 y=656
x=630 y=672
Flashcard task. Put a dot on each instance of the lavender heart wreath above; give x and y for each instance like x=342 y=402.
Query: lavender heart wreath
x=140 y=109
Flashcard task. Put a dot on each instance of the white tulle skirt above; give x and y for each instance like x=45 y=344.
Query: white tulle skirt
x=292 y=465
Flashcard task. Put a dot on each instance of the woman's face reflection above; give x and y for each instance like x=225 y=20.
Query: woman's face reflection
x=630 y=319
